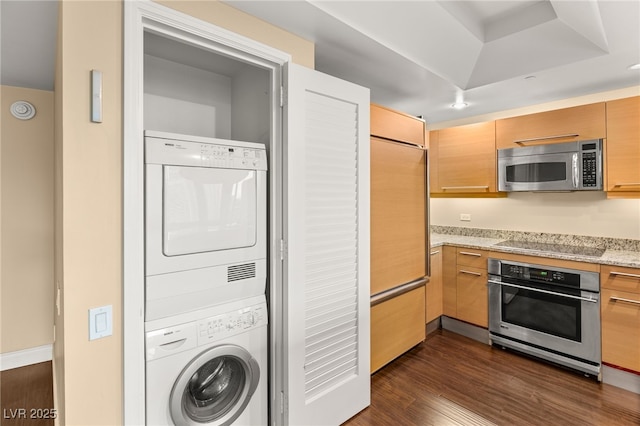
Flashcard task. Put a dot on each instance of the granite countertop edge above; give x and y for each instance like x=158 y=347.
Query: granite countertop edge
x=622 y=258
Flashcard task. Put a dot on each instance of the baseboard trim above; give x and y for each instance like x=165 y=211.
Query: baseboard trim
x=468 y=330
x=25 y=357
x=621 y=379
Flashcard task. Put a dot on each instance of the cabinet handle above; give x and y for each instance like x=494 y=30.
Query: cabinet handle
x=543 y=138
x=446 y=188
x=626 y=184
x=624 y=274
x=468 y=253
x=435 y=252
x=462 y=271
x=620 y=299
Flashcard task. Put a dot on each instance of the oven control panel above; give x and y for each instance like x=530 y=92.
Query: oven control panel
x=525 y=272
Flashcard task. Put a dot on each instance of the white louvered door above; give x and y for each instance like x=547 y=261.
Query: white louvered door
x=326 y=284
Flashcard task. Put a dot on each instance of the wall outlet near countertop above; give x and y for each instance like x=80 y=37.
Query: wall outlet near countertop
x=465 y=217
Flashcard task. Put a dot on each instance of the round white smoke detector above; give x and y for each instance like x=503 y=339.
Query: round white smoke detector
x=23 y=110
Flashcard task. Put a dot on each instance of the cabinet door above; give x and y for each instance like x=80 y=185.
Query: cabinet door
x=472 y=296
x=562 y=125
x=433 y=295
x=620 y=314
x=397 y=325
x=395 y=125
x=449 y=287
x=466 y=159
x=325 y=306
x=623 y=146
x=398 y=214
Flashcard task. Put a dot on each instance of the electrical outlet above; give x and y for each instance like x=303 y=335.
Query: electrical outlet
x=465 y=217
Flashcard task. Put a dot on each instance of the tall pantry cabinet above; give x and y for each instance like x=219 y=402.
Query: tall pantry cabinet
x=399 y=231
x=187 y=76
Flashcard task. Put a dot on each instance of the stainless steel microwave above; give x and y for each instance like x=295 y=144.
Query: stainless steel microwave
x=571 y=166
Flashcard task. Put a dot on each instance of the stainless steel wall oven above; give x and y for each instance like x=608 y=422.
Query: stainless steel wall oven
x=549 y=312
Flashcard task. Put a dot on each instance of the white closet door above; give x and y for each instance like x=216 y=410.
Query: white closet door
x=326 y=285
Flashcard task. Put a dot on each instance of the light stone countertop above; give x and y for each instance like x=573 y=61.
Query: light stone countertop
x=610 y=257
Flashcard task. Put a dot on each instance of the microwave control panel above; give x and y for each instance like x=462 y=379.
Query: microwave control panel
x=590 y=164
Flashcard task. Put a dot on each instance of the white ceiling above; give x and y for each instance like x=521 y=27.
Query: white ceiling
x=422 y=56
x=418 y=56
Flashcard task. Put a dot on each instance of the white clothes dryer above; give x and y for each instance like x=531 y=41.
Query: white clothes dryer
x=205 y=222
x=211 y=370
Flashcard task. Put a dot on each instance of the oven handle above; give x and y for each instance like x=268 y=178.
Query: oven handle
x=584 y=299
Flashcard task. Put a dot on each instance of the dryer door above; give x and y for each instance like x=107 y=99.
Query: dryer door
x=215 y=388
x=208 y=209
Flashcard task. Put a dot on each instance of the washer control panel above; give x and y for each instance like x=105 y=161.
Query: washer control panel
x=231 y=323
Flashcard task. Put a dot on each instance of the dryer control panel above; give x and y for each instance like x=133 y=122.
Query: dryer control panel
x=181 y=150
x=230 y=323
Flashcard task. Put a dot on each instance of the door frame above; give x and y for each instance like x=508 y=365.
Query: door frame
x=146 y=15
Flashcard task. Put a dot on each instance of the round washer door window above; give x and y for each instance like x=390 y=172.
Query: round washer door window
x=215 y=388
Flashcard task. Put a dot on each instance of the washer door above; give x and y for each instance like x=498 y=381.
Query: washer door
x=215 y=387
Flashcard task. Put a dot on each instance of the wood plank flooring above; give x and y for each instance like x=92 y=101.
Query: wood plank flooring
x=26 y=396
x=452 y=380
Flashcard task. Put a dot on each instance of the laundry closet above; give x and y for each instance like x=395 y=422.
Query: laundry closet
x=246 y=286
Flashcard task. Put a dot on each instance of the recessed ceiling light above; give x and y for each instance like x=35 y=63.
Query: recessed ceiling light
x=634 y=67
x=460 y=105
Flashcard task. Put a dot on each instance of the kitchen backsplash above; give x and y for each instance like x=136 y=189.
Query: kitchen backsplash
x=540 y=237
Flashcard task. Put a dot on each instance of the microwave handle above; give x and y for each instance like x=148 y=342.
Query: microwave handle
x=574 y=169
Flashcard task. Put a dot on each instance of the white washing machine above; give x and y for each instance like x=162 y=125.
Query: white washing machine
x=209 y=367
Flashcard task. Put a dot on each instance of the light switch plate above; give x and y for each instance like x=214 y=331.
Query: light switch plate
x=100 y=322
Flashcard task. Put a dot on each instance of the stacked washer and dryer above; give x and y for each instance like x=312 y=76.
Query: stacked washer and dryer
x=205 y=277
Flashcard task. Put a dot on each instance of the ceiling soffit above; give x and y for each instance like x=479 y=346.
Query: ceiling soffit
x=480 y=43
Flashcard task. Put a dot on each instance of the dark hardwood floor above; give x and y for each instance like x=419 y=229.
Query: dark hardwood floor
x=26 y=396
x=452 y=380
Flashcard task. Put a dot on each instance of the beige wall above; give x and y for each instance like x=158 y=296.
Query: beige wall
x=582 y=213
x=88 y=265
x=26 y=278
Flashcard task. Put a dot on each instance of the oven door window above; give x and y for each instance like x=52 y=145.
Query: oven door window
x=208 y=209
x=551 y=314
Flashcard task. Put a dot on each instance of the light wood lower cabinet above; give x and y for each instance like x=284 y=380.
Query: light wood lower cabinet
x=397 y=325
x=471 y=283
x=449 y=287
x=620 y=315
x=472 y=304
x=433 y=295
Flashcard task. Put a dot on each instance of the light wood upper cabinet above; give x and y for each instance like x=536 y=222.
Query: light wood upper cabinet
x=398 y=208
x=623 y=147
x=562 y=125
x=620 y=314
x=463 y=160
x=390 y=124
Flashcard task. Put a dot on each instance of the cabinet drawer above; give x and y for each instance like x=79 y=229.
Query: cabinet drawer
x=389 y=124
x=620 y=313
x=562 y=125
x=397 y=325
x=472 y=296
x=472 y=257
x=619 y=278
